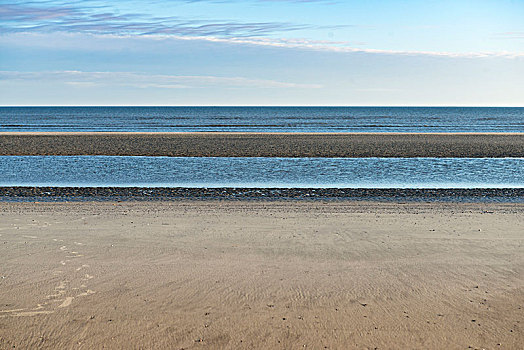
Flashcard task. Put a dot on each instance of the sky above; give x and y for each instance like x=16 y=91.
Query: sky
x=262 y=52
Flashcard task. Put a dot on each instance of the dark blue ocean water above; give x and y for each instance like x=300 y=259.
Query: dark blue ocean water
x=262 y=172
x=269 y=119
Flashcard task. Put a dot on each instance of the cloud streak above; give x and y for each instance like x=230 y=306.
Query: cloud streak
x=329 y=2
x=77 y=18
x=342 y=47
x=26 y=17
x=510 y=35
x=109 y=42
x=138 y=80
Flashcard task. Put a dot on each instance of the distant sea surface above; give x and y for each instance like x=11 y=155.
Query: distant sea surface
x=263 y=119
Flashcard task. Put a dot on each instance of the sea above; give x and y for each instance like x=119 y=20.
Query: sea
x=203 y=172
x=263 y=119
x=256 y=172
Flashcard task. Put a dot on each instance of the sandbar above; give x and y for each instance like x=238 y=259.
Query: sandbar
x=222 y=144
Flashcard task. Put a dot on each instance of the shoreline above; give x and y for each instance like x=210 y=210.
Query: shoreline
x=326 y=133
x=159 y=194
x=233 y=144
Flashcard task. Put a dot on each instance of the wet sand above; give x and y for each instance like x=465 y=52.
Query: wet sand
x=153 y=194
x=264 y=144
x=268 y=275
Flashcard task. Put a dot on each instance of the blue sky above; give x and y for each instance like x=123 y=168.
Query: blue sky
x=262 y=52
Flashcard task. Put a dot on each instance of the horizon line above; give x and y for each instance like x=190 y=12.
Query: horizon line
x=271 y=106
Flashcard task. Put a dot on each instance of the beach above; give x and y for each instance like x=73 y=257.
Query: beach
x=191 y=274
x=262 y=174
x=238 y=144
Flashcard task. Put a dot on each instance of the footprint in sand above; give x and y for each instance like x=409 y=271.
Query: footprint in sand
x=13 y=310
x=62 y=285
x=82 y=267
x=25 y=312
x=87 y=277
x=28 y=313
x=60 y=289
x=86 y=293
x=66 y=302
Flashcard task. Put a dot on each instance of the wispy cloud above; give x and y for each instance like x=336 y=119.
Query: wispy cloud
x=138 y=80
x=236 y=1
x=336 y=46
x=27 y=13
x=510 y=35
x=92 y=19
x=109 y=42
x=28 y=17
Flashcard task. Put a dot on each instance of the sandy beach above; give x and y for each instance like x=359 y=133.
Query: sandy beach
x=221 y=144
x=268 y=275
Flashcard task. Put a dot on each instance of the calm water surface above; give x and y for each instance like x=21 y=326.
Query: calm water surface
x=263 y=119
x=262 y=172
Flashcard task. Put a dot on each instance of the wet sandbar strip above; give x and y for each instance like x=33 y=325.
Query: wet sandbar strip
x=155 y=194
x=345 y=145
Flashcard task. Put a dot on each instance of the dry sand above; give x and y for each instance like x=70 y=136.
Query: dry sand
x=246 y=275
x=265 y=144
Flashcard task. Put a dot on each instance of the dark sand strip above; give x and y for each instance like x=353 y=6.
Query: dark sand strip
x=265 y=144
x=24 y=194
